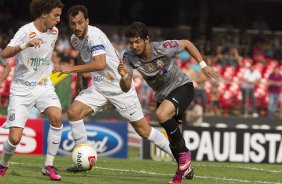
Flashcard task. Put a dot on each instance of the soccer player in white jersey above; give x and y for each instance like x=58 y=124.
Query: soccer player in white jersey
x=33 y=45
x=6 y=69
x=173 y=88
x=98 y=56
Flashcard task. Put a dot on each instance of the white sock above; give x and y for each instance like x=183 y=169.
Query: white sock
x=53 y=141
x=49 y=160
x=78 y=132
x=8 y=151
x=157 y=138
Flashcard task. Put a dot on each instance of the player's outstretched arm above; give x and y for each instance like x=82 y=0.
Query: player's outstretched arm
x=98 y=63
x=12 y=51
x=194 y=52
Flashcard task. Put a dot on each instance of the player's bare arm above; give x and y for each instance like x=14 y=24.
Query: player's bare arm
x=126 y=79
x=194 y=52
x=98 y=63
x=12 y=51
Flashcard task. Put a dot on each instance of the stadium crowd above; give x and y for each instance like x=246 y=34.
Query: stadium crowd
x=235 y=54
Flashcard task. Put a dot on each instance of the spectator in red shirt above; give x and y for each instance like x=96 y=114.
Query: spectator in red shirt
x=274 y=90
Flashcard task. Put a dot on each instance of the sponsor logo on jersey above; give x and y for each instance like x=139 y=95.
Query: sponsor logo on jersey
x=32 y=34
x=159 y=63
x=100 y=78
x=149 y=67
x=53 y=31
x=41 y=82
x=105 y=141
x=35 y=63
x=170 y=44
x=74 y=41
x=109 y=78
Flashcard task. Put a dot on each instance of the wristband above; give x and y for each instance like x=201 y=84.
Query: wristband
x=125 y=76
x=203 y=64
x=23 y=46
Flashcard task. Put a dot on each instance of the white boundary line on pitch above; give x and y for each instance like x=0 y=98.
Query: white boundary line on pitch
x=162 y=174
x=241 y=167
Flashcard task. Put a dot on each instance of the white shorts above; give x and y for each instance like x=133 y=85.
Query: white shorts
x=127 y=104
x=20 y=105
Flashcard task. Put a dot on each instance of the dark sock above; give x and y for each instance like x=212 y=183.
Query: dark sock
x=177 y=143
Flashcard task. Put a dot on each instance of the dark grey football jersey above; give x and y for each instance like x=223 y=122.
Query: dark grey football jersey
x=161 y=71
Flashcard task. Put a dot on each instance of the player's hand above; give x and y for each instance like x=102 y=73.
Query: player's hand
x=62 y=69
x=36 y=42
x=209 y=72
x=122 y=68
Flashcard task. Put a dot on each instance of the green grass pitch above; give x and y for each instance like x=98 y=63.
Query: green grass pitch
x=27 y=169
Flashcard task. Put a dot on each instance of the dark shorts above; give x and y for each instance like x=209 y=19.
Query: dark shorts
x=181 y=98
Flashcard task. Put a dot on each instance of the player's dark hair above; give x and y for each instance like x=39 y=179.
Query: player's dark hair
x=74 y=10
x=38 y=7
x=137 y=29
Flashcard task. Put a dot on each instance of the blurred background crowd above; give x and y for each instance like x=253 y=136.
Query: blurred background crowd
x=241 y=44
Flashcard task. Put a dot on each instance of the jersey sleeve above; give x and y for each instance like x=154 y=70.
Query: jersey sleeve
x=97 y=45
x=168 y=47
x=127 y=60
x=20 y=37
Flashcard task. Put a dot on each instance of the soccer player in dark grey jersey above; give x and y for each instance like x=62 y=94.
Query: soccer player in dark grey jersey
x=173 y=88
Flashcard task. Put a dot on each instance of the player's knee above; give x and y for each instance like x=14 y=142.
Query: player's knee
x=15 y=140
x=161 y=115
x=56 y=120
x=73 y=114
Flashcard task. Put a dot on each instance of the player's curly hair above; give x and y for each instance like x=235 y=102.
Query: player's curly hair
x=74 y=10
x=137 y=29
x=37 y=7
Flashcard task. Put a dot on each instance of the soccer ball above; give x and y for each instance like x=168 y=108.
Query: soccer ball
x=84 y=156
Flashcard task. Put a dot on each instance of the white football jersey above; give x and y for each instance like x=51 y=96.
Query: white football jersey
x=33 y=65
x=96 y=43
